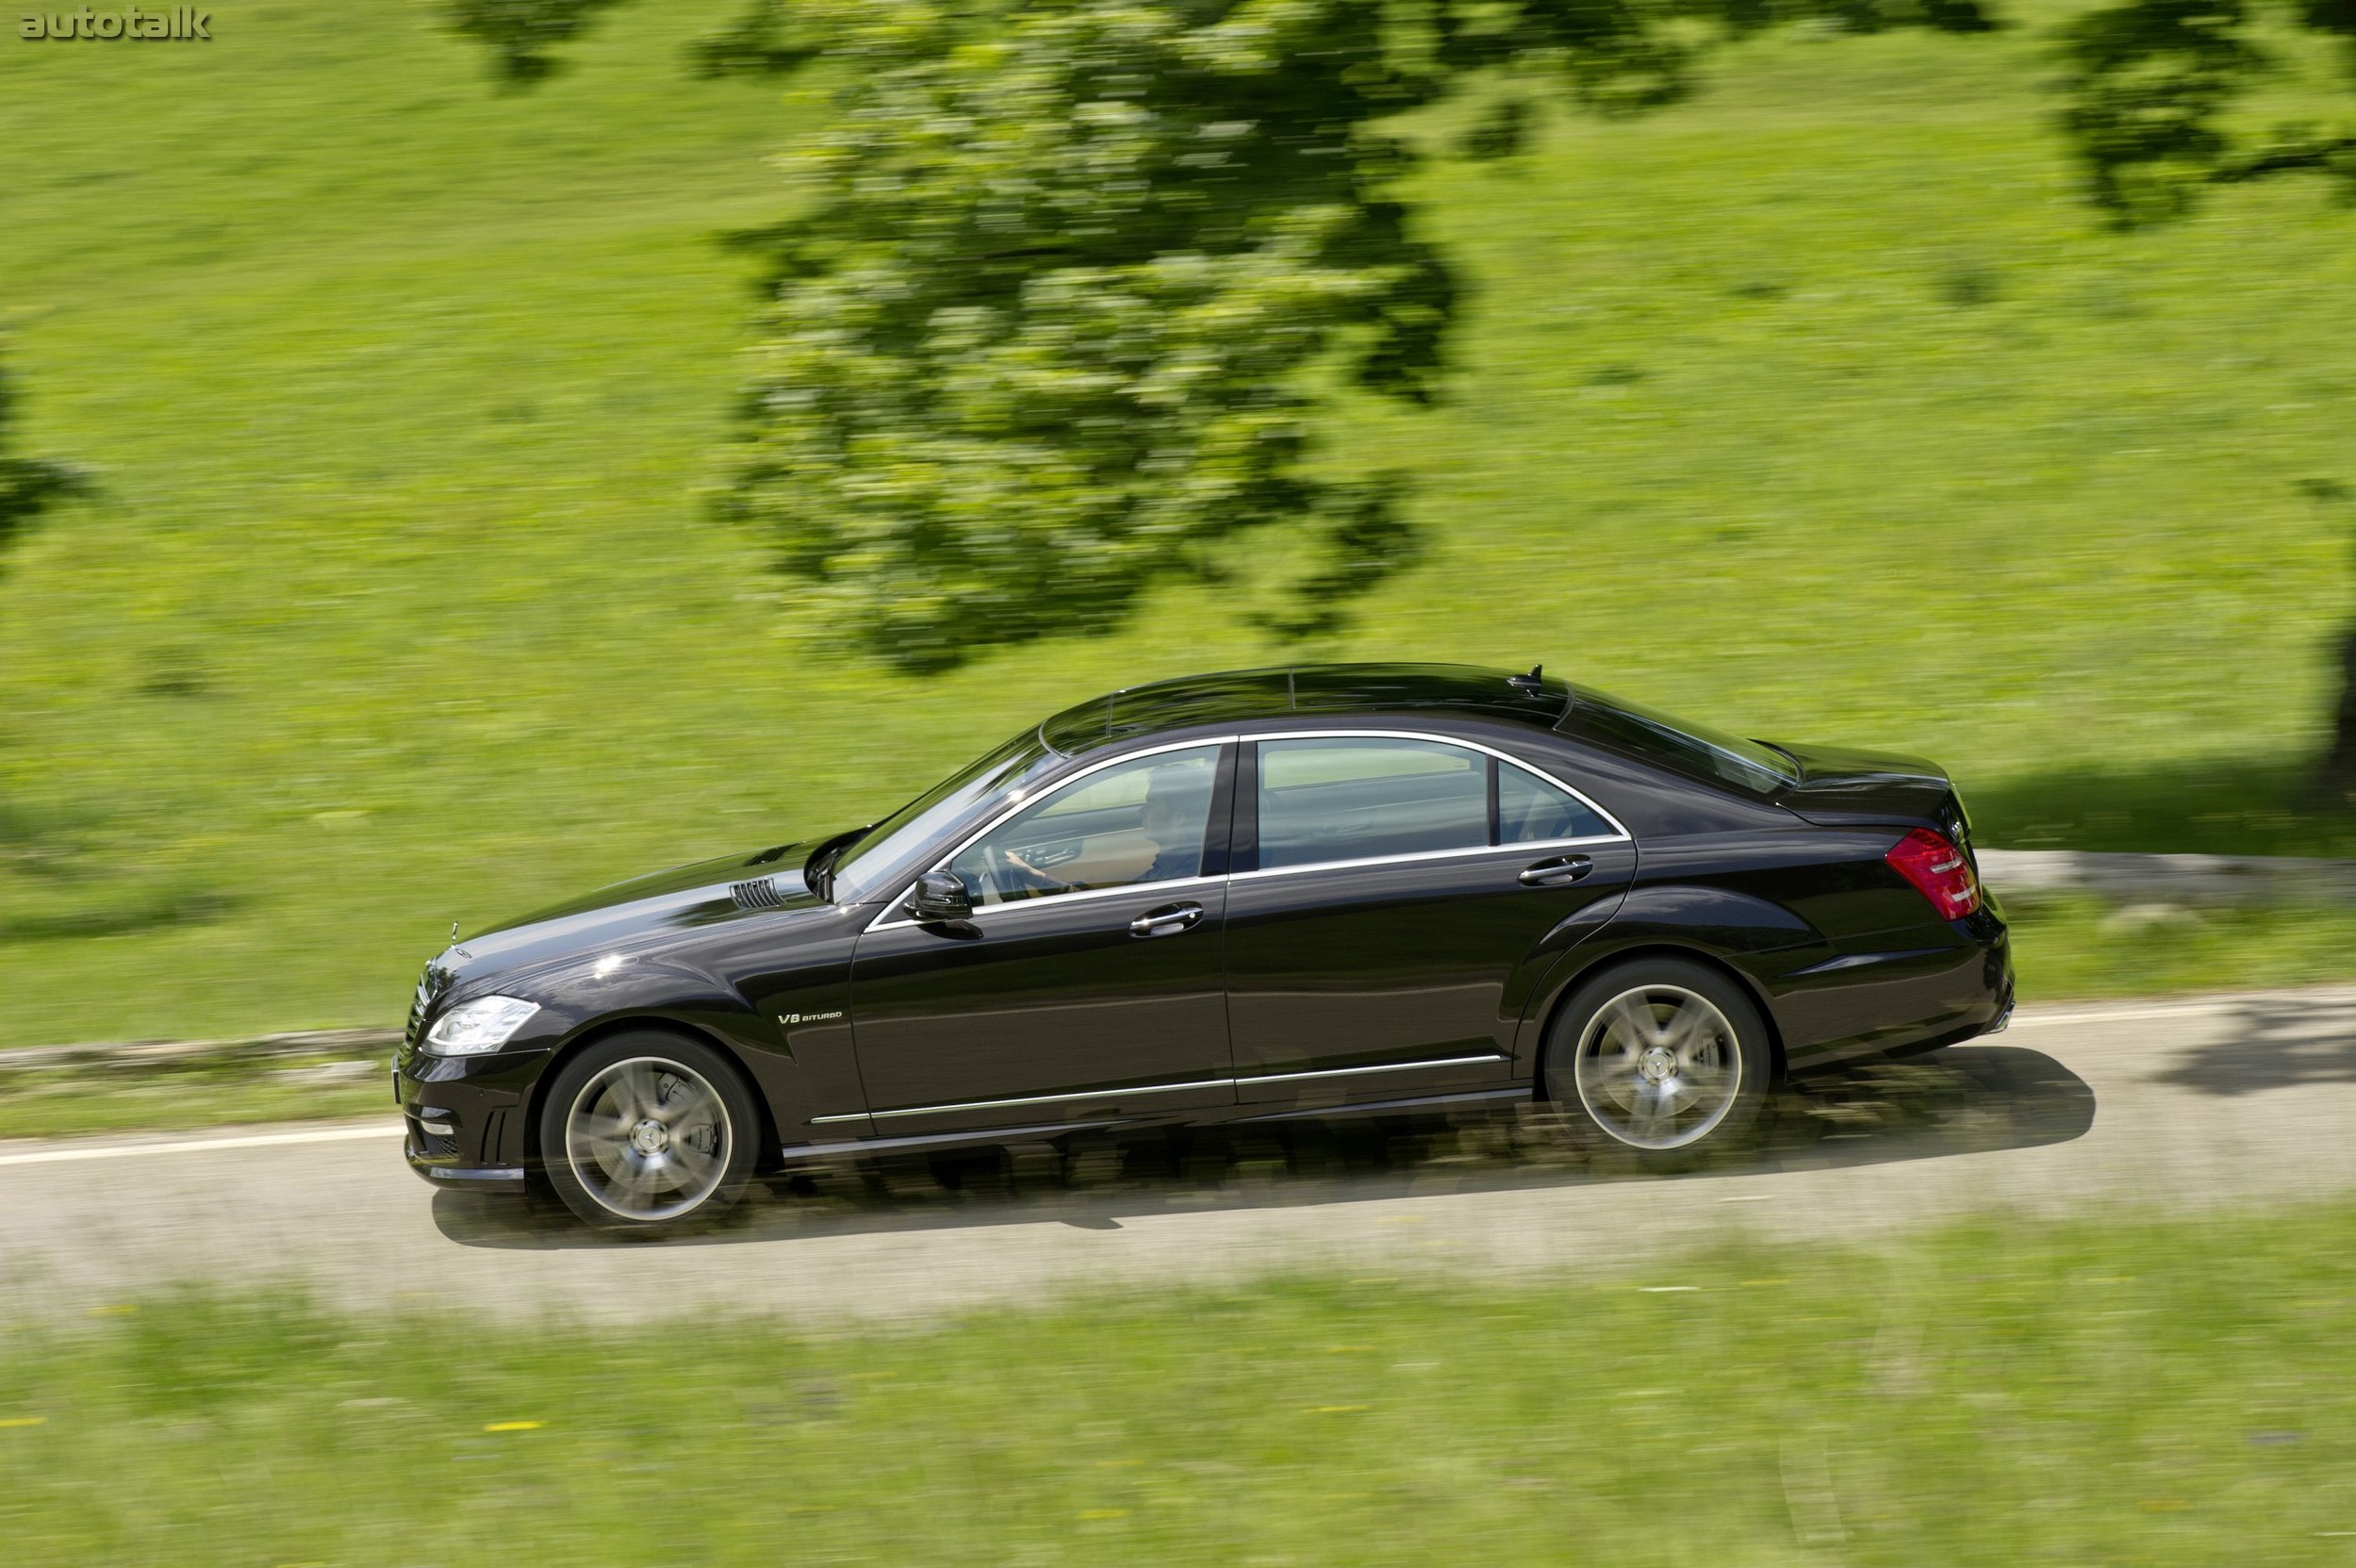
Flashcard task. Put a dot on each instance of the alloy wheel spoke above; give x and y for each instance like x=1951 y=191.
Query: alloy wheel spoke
x=1658 y=1067
x=640 y=1092
x=698 y=1165
x=1705 y=1076
x=1689 y=1028
x=1636 y=1027
x=681 y=1107
x=604 y=1150
x=604 y=1153
x=601 y=1125
x=636 y=1097
x=621 y=1183
x=1616 y=1081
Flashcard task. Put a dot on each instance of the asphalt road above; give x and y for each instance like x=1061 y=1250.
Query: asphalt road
x=2214 y=1102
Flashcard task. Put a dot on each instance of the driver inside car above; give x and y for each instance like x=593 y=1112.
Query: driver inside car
x=1171 y=821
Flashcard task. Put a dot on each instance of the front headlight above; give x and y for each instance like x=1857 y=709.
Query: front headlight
x=473 y=1028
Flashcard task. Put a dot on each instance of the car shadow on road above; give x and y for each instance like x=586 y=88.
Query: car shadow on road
x=2272 y=1043
x=1965 y=1100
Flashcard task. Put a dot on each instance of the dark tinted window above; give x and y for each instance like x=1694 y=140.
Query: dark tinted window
x=1530 y=810
x=1677 y=743
x=1363 y=797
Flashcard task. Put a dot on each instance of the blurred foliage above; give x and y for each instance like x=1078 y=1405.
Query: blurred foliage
x=2152 y=84
x=28 y=485
x=1039 y=341
x=762 y=40
x=1047 y=331
x=521 y=35
x=2155 y=85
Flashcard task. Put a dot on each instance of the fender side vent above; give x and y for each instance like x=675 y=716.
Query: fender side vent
x=760 y=893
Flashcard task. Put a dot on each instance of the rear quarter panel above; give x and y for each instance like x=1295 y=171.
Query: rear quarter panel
x=1839 y=952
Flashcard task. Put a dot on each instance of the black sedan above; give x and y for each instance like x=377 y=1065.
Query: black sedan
x=1324 y=891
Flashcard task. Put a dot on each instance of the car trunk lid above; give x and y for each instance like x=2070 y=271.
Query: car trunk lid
x=1842 y=787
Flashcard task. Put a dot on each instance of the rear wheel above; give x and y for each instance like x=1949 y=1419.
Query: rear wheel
x=1665 y=1057
x=648 y=1132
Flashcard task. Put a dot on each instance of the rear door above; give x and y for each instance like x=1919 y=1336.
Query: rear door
x=1389 y=888
x=1089 y=982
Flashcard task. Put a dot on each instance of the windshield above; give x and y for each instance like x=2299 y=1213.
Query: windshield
x=892 y=848
x=1678 y=742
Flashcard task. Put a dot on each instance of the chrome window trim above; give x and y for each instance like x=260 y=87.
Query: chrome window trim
x=1518 y=846
x=1236 y=1082
x=885 y=918
x=990 y=912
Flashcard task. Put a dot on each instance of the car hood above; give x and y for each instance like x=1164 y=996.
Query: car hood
x=1841 y=784
x=666 y=903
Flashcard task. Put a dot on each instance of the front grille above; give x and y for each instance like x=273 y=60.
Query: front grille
x=430 y=985
x=760 y=893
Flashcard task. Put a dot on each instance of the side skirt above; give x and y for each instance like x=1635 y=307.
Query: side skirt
x=1050 y=1131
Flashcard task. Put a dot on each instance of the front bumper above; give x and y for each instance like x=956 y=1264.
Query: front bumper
x=465 y=1116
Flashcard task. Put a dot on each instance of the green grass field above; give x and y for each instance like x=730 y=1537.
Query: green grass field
x=1818 y=407
x=2154 y=1392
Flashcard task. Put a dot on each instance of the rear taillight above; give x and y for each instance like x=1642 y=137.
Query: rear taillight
x=1940 y=871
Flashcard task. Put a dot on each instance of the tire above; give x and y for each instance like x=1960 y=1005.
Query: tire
x=1662 y=1057
x=648 y=1134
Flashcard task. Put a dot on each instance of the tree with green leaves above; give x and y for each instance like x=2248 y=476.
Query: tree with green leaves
x=28 y=485
x=2158 y=90
x=2154 y=88
x=522 y=35
x=1049 y=328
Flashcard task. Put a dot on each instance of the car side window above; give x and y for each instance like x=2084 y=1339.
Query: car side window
x=1366 y=797
x=1138 y=821
x=1530 y=810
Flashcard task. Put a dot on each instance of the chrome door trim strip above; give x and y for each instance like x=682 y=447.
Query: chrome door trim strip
x=1160 y=1088
x=1035 y=1099
x=1382 y=1067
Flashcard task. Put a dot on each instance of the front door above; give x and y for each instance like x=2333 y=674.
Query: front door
x=1086 y=986
x=1388 y=890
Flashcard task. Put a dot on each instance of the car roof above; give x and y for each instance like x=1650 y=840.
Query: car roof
x=1324 y=689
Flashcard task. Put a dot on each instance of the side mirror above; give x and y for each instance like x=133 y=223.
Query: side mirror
x=941 y=895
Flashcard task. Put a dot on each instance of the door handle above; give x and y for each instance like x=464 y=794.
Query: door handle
x=1555 y=872
x=1166 y=921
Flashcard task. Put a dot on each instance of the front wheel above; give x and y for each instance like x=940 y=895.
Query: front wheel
x=1665 y=1057
x=648 y=1133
